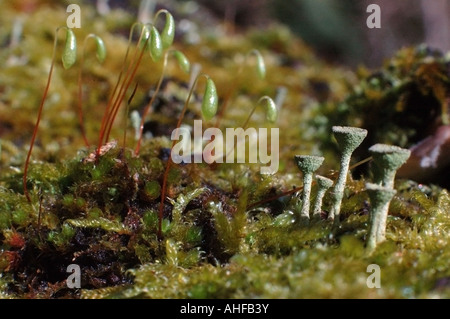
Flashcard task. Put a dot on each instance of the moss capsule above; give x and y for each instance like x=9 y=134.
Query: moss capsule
x=210 y=100
x=69 y=56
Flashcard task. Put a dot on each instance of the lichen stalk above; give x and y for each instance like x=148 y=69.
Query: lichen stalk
x=348 y=139
x=323 y=184
x=380 y=198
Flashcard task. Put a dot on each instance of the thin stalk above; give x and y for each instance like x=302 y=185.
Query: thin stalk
x=297 y=189
x=317 y=209
x=106 y=114
x=169 y=161
x=228 y=96
x=306 y=194
x=36 y=126
x=245 y=124
x=149 y=104
x=121 y=95
x=323 y=184
x=130 y=99
x=338 y=191
x=80 y=91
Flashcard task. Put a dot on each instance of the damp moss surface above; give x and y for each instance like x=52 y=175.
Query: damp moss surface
x=227 y=230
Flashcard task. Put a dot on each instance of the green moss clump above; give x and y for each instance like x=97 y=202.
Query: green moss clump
x=398 y=104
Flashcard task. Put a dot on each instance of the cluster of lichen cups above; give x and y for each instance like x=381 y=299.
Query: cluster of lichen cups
x=348 y=138
x=386 y=159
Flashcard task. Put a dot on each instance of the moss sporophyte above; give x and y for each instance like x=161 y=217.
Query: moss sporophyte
x=209 y=109
x=101 y=56
x=184 y=64
x=261 y=72
x=69 y=57
x=152 y=39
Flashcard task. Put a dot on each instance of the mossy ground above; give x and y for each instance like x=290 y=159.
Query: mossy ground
x=216 y=242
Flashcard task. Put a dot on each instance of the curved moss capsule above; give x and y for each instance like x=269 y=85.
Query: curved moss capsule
x=210 y=100
x=101 y=49
x=260 y=65
x=168 y=33
x=145 y=35
x=271 y=109
x=183 y=62
x=69 y=56
x=156 y=48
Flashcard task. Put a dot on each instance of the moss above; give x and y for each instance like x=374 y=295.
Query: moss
x=225 y=227
x=62 y=238
x=152 y=189
x=397 y=103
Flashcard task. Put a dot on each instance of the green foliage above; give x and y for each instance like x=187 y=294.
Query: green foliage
x=61 y=238
x=20 y=218
x=152 y=189
x=14 y=210
x=231 y=231
x=182 y=201
x=175 y=256
x=100 y=222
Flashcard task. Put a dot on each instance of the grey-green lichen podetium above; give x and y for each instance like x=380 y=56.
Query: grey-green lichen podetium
x=348 y=139
x=323 y=184
x=308 y=164
x=380 y=197
x=387 y=159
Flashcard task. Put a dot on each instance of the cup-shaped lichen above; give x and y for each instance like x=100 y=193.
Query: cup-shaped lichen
x=380 y=197
x=323 y=185
x=387 y=159
x=348 y=139
x=308 y=164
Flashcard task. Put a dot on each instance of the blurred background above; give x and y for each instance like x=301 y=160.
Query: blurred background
x=336 y=28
